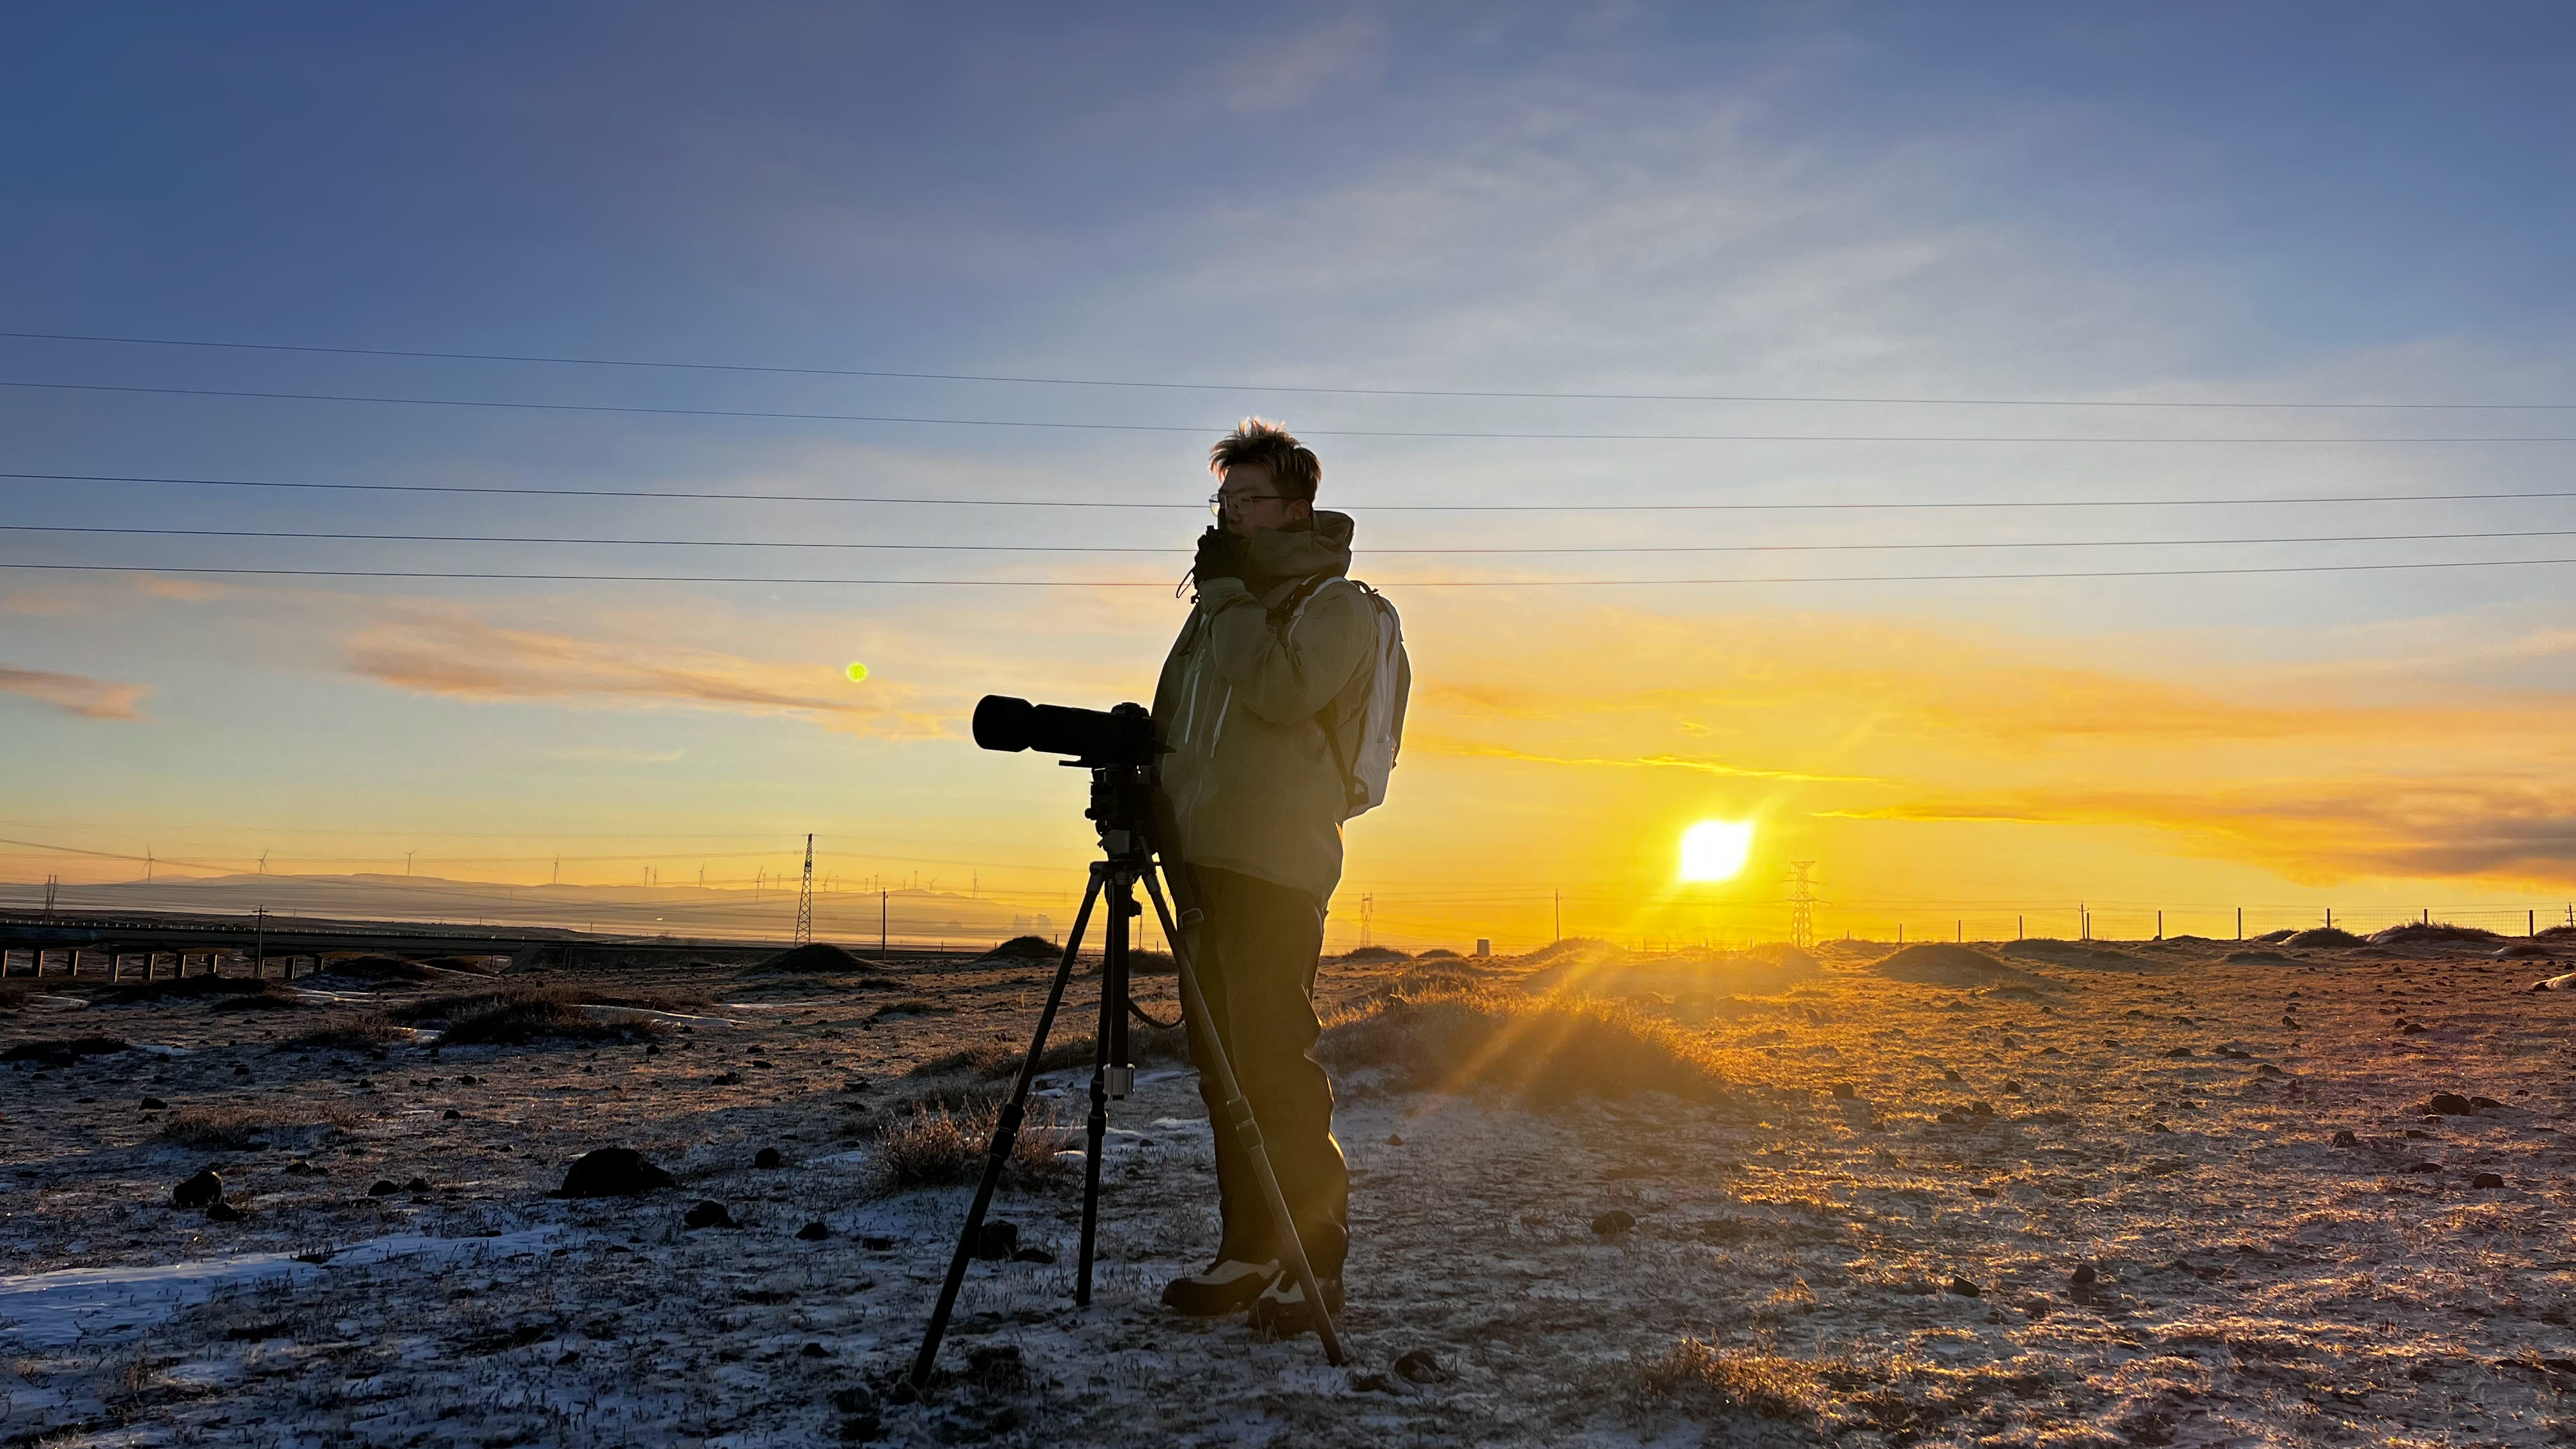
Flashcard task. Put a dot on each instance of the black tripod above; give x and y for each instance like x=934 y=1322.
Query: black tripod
x=1123 y=810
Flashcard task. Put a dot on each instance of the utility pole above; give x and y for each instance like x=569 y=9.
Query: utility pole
x=805 y=897
x=259 y=948
x=1368 y=907
x=1802 y=905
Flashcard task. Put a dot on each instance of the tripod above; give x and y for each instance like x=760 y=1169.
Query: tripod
x=1124 y=812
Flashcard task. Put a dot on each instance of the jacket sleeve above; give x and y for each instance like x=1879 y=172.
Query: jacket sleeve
x=1285 y=679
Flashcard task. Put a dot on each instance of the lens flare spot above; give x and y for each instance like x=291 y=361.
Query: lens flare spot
x=858 y=673
x=1715 y=849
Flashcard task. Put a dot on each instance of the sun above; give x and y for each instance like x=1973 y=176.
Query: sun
x=1715 y=849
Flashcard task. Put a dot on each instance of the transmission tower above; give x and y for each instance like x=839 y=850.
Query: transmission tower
x=1802 y=905
x=805 y=898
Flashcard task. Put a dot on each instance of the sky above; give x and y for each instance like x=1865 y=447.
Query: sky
x=1895 y=299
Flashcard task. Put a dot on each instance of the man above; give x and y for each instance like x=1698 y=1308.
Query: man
x=1256 y=708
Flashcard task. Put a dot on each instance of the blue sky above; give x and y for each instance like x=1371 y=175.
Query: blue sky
x=2264 y=202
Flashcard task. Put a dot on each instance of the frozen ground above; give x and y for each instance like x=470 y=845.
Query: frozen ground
x=2254 y=1282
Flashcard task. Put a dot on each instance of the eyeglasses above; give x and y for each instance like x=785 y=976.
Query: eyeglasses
x=1218 y=503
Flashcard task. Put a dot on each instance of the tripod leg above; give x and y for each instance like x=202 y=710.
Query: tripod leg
x=1006 y=1136
x=1247 y=1132
x=1119 y=898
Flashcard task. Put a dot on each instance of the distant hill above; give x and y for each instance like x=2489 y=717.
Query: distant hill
x=917 y=916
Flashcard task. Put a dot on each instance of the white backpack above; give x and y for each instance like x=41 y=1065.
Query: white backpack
x=1381 y=719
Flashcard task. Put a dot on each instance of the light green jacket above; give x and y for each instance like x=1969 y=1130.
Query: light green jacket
x=1243 y=704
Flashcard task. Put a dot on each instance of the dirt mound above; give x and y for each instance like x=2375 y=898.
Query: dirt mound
x=2322 y=936
x=2419 y=933
x=1363 y=955
x=815 y=958
x=1548 y=1052
x=2557 y=933
x=520 y=1014
x=2257 y=958
x=1570 y=945
x=2271 y=938
x=375 y=971
x=1939 y=963
x=1024 y=948
x=2080 y=956
x=2525 y=950
x=1763 y=971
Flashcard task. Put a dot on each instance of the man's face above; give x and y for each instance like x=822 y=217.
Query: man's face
x=1249 y=500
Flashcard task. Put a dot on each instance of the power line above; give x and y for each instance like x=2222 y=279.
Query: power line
x=1204 y=429
x=1405 y=552
x=483 y=489
x=1391 y=583
x=1303 y=389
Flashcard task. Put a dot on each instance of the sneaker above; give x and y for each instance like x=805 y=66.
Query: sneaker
x=1228 y=1287
x=1281 y=1309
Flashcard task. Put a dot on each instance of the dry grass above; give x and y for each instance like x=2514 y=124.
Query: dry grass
x=239 y=1128
x=1546 y=1050
x=937 y=1145
x=1705 y=1381
x=353 y=1031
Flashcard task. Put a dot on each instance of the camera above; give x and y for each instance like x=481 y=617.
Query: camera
x=1114 y=738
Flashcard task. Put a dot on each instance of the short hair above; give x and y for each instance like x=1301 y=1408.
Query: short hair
x=1293 y=465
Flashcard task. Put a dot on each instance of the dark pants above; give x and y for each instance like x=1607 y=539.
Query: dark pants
x=1256 y=956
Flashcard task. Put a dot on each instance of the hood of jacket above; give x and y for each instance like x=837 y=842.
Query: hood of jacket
x=1310 y=546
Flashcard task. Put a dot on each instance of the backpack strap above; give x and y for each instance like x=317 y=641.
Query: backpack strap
x=1283 y=614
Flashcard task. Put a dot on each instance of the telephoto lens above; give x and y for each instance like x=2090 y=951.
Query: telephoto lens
x=1121 y=736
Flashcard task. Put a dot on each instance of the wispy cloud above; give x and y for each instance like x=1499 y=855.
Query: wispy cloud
x=1442 y=745
x=75 y=694
x=450 y=651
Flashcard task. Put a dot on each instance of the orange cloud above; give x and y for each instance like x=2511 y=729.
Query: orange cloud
x=75 y=694
x=450 y=652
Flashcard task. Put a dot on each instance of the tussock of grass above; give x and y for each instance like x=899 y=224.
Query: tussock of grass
x=2323 y=936
x=237 y=1128
x=353 y=1031
x=263 y=996
x=63 y=1052
x=911 y=1008
x=1705 y=1381
x=2416 y=933
x=1364 y=955
x=519 y=1014
x=936 y=1145
x=1549 y=1050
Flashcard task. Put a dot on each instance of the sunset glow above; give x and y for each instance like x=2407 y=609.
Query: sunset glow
x=1714 y=850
